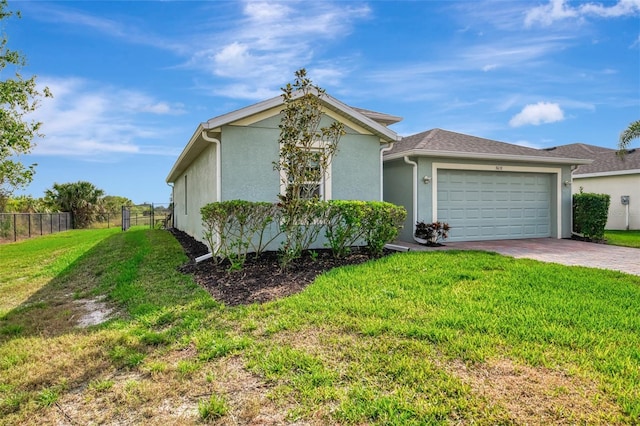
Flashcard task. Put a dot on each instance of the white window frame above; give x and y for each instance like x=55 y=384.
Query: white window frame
x=325 y=183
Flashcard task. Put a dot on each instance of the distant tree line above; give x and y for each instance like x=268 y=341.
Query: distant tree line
x=82 y=199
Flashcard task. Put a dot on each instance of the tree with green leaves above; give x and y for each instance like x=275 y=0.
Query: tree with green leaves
x=306 y=151
x=18 y=97
x=82 y=199
x=630 y=133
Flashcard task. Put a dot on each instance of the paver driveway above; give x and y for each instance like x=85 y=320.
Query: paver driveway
x=566 y=252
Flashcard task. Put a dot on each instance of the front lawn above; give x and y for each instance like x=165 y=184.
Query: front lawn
x=413 y=338
x=623 y=238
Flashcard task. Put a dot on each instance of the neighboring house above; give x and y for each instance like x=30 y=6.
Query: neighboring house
x=484 y=189
x=232 y=157
x=609 y=174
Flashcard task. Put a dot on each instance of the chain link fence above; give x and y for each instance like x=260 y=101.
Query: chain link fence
x=20 y=226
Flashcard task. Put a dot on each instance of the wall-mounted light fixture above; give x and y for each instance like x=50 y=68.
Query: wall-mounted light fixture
x=426 y=179
x=567 y=183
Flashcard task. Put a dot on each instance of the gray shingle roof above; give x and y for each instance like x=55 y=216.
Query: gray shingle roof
x=604 y=159
x=438 y=141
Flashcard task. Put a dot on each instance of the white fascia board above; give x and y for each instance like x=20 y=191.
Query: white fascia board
x=178 y=168
x=487 y=156
x=386 y=134
x=239 y=114
x=605 y=174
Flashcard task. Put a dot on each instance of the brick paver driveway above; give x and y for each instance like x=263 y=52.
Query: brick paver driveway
x=566 y=252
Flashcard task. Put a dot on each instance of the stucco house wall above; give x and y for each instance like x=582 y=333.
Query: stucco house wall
x=193 y=189
x=397 y=190
x=615 y=186
x=248 y=143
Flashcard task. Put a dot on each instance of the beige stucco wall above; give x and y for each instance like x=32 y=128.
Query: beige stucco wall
x=615 y=186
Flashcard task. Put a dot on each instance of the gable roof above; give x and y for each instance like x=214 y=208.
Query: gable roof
x=370 y=121
x=606 y=161
x=444 y=143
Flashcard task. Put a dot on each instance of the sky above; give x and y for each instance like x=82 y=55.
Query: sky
x=131 y=81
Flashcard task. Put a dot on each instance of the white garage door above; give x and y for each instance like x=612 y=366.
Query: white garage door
x=494 y=205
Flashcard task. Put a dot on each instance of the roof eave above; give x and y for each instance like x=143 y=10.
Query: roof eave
x=607 y=174
x=179 y=166
x=487 y=156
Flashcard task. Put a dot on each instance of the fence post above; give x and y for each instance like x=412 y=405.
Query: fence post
x=29 y=225
x=15 y=228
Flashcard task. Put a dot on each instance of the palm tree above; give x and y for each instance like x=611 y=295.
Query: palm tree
x=82 y=199
x=630 y=133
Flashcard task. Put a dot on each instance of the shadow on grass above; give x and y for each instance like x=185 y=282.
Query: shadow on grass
x=123 y=277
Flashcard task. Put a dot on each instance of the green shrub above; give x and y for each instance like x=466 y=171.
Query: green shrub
x=590 y=214
x=235 y=228
x=381 y=223
x=301 y=224
x=343 y=225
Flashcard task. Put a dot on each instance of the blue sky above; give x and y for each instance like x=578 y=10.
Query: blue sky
x=132 y=80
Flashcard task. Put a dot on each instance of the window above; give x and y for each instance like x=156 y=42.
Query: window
x=315 y=183
x=185 y=195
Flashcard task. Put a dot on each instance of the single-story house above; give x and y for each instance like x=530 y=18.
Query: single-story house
x=484 y=189
x=232 y=157
x=609 y=174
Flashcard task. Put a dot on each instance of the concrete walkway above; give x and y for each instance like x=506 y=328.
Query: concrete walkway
x=565 y=252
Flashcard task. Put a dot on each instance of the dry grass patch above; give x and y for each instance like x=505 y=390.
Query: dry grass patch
x=538 y=395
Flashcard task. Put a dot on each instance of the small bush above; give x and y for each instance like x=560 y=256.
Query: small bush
x=381 y=223
x=235 y=228
x=590 y=213
x=343 y=225
x=432 y=233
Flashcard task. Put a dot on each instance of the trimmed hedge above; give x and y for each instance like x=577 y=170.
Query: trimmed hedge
x=590 y=213
x=236 y=228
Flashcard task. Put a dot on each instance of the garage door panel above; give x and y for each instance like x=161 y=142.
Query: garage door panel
x=481 y=205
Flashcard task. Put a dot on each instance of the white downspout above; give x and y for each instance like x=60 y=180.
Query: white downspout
x=216 y=142
x=382 y=151
x=414 y=185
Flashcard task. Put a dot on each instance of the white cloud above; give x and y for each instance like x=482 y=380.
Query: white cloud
x=489 y=67
x=82 y=120
x=271 y=40
x=557 y=10
x=535 y=114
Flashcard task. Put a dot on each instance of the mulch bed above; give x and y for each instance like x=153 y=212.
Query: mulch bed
x=262 y=279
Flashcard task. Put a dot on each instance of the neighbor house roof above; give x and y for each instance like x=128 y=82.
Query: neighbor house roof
x=371 y=121
x=444 y=143
x=606 y=161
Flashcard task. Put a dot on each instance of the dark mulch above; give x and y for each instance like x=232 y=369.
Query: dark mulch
x=262 y=278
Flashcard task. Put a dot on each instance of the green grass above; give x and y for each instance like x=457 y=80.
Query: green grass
x=27 y=265
x=413 y=338
x=623 y=238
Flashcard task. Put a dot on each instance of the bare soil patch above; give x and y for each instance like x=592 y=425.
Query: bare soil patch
x=261 y=279
x=95 y=311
